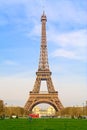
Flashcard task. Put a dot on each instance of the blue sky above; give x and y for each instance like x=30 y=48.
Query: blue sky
x=20 y=37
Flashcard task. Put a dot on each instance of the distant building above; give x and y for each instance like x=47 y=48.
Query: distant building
x=50 y=111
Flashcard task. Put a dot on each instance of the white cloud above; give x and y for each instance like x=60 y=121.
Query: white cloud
x=64 y=53
x=72 y=44
x=74 y=38
x=36 y=31
x=77 y=55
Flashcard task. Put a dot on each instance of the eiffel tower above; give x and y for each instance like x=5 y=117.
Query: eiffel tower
x=43 y=74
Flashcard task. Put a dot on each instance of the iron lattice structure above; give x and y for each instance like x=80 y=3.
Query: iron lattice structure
x=43 y=73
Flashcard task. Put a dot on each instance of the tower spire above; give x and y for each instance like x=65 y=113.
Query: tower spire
x=43 y=61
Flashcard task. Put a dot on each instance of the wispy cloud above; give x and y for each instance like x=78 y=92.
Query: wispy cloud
x=64 y=53
x=71 y=14
x=75 y=38
x=36 y=31
x=70 y=45
x=72 y=42
x=69 y=54
x=66 y=11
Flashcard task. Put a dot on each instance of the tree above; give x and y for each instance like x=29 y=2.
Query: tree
x=71 y=112
x=1 y=107
x=18 y=111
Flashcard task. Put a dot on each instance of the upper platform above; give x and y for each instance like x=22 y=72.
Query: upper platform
x=43 y=17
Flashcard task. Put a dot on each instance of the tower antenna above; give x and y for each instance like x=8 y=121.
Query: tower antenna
x=43 y=5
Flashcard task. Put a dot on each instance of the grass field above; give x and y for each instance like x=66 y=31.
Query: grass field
x=43 y=124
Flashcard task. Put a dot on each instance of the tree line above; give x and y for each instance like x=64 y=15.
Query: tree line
x=11 y=110
x=73 y=112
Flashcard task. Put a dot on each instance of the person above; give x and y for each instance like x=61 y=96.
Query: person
x=30 y=118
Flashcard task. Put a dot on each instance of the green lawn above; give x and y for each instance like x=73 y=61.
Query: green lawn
x=43 y=124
